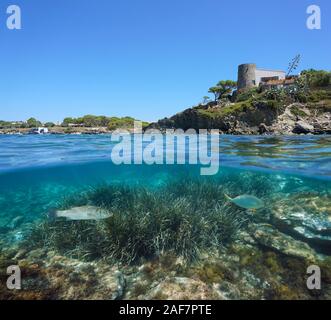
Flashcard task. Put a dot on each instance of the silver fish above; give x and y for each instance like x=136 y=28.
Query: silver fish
x=81 y=213
x=247 y=202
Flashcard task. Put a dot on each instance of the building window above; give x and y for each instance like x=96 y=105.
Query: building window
x=254 y=82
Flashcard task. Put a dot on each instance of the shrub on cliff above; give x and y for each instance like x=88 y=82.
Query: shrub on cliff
x=319 y=95
x=247 y=95
x=317 y=78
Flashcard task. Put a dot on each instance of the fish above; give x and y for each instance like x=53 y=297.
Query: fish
x=81 y=213
x=247 y=202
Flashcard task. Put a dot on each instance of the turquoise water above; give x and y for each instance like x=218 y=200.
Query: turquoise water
x=36 y=172
x=306 y=155
x=40 y=174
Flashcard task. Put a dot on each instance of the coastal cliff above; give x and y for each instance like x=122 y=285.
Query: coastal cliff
x=255 y=112
x=258 y=118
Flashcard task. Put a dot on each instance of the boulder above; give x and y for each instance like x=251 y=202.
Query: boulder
x=227 y=291
x=263 y=128
x=302 y=127
x=307 y=217
x=269 y=237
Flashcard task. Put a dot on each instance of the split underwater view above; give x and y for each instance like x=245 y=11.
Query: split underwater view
x=165 y=158
x=82 y=228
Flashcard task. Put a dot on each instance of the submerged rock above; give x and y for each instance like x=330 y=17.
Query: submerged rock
x=271 y=238
x=62 y=278
x=181 y=288
x=306 y=217
x=227 y=291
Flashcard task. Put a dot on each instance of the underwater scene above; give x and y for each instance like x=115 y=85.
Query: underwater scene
x=80 y=227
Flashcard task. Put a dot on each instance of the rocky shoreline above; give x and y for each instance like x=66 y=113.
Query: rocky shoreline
x=262 y=119
x=61 y=131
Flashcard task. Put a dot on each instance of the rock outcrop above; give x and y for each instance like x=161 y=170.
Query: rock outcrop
x=271 y=238
x=259 y=118
x=307 y=217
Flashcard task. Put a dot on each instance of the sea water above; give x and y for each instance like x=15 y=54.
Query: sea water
x=36 y=172
x=292 y=174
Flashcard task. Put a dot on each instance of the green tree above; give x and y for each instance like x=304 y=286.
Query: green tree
x=123 y=123
x=226 y=87
x=102 y=121
x=317 y=78
x=49 y=125
x=90 y=121
x=215 y=91
x=33 y=123
x=205 y=99
x=66 y=122
x=223 y=88
x=4 y=124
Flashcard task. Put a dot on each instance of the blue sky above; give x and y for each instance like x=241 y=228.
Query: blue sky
x=147 y=59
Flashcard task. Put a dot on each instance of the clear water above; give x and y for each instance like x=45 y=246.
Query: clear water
x=38 y=172
x=305 y=155
x=291 y=174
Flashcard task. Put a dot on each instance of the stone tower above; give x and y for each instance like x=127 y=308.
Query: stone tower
x=246 y=76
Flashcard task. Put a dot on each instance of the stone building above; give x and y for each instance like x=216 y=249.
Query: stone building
x=249 y=76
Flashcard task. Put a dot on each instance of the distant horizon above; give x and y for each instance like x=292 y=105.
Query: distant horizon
x=147 y=60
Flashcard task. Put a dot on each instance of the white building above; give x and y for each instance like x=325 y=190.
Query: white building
x=250 y=76
x=264 y=75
